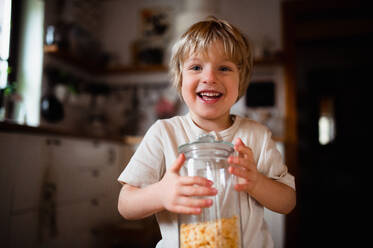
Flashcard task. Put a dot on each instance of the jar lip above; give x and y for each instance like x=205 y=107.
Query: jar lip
x=206 y=142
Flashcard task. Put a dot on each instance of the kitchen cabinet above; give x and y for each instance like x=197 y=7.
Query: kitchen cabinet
x=19 y=155
x=84 y=173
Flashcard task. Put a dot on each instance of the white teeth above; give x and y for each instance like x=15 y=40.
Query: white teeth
x=209 y=94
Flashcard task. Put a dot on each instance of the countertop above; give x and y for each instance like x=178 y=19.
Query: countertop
x=9 y=127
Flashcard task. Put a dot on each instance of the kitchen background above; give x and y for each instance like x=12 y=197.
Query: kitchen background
x=81 y=82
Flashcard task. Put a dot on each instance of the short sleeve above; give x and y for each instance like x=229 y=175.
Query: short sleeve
x=147 y=163
x=272 y=162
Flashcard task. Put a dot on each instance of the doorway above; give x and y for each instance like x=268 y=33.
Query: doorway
x=329 y=53
x=331 y=169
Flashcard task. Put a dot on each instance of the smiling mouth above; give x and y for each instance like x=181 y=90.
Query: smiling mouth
x=209 y=95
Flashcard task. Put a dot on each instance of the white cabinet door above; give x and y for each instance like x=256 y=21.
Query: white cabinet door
x=28 y=170
x=85 y=174
x=24 y=230
x=20 y=178
x=77 y=222
x=83 y=169
x=74 y=225
x=7 y=163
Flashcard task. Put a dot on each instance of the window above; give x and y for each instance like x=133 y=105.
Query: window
x=326 y=121
x=21 y=58
x=5 y=13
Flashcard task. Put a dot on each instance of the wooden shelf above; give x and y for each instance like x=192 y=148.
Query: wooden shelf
x=71 y=59
x=132 y=140
x=136 y=69
x=276 y=59
x=89 y=66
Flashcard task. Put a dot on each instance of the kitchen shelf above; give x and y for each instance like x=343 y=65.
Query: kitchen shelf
x=71 y=59
x=276 y=59
x=89 y=66
x=136 y=69
x=132 y=140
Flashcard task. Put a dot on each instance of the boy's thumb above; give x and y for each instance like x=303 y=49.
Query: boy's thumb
x=178 y=163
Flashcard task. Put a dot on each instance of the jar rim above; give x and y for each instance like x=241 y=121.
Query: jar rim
x=206 y=142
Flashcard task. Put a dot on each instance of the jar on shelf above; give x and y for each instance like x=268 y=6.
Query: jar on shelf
x=217 y=226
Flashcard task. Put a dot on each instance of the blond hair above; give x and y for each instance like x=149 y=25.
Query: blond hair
x=200 y=36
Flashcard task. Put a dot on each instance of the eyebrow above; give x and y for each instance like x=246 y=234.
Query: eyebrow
x=196 y=59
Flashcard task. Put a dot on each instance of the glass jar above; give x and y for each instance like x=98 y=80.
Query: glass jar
x=218 y=226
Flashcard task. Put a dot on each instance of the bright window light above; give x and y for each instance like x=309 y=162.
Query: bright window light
x=326 y=121
x=30 y=63
x=3 y=73
x=5 y=13
x=326 y=130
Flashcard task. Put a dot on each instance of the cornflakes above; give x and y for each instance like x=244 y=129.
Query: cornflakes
x=221 y=233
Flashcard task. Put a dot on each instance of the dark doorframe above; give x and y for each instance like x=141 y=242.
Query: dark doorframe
x=327 y=50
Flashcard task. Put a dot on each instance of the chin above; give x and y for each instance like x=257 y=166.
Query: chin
x=210 y=116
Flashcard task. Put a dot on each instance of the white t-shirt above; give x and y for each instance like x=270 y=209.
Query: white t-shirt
x=158 y=151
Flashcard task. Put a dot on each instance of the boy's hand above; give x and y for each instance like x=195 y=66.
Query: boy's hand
x=244 y=168
x=176 y=191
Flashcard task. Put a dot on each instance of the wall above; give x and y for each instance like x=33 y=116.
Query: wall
x=122 y=24
x=256 y=18
x=259 y=20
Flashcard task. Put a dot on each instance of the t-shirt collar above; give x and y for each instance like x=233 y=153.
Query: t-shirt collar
x=218 y=135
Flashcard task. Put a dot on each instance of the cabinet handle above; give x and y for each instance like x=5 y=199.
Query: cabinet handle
x=95 y=173
x=95 y=202
x=55 y=142
x=111 y=156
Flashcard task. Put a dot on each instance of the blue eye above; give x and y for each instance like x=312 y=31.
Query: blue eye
x=196 y=68
x=225 y=68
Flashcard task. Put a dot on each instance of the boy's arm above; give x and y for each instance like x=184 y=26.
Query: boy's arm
x=138 y=203
x=273 y=195
x=173 y=193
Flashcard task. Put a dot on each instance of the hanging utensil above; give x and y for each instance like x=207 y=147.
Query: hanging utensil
x=51 y=108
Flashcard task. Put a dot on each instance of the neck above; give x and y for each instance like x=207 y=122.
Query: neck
x=213 y=124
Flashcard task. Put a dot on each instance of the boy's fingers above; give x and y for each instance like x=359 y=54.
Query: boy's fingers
x=238 y=141
x=198 y=191
x=240 y=161
x=194 y=202
x=241 y=187
x=178 y=163
x=241 y=148
x=187 y=210
x=196 y=181
x=239 y=171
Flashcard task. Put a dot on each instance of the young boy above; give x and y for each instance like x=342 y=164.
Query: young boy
x=211 y=66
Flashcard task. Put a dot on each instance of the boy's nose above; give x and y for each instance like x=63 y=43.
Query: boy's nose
x=209 y=76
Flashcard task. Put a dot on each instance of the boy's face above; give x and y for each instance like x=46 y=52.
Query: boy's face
x=210 y=83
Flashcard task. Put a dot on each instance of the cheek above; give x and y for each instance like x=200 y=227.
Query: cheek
x=185 y=90
x=187 y=85
x=236 y=88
